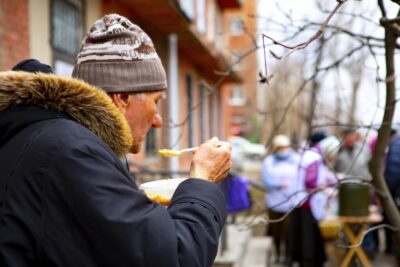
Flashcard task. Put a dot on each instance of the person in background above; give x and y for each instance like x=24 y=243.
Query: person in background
x=328 y=148
x=353 y=157
x=279 y=174
x=66 y=199
x=306 y=245
x=316 y=137
x=352 y=162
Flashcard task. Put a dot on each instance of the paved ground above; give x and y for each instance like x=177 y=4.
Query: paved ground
x=381 y=260
x=246 y=250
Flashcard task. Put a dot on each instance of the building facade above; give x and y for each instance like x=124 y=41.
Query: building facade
x=193 y=38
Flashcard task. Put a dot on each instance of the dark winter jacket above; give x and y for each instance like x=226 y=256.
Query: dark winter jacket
x=67 y=200
x=392 y=169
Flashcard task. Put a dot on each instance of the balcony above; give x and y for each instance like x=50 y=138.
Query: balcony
x=161 y=17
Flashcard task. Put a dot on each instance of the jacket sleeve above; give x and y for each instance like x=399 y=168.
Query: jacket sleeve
x=120 y=226
x=269 y=182
x=392 y=170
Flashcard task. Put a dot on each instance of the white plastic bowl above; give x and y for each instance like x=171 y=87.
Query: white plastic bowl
x=161 y=191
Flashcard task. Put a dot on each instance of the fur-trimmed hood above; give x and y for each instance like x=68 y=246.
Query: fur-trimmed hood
x=86 y=104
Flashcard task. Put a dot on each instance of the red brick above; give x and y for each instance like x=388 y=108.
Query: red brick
x=14 y=33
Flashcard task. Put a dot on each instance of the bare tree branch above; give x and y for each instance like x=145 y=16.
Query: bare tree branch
x=382 y=8
x=306 y=43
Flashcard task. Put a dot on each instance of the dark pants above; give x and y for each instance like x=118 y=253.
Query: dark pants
x=306 y=245
x=278 y=231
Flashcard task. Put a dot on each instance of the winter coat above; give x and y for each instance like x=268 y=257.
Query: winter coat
x=67 y=200
x=275 y=172
x=354 y=163
x=392 y=170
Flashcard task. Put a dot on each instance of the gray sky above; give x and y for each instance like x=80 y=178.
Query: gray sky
x=371 y=96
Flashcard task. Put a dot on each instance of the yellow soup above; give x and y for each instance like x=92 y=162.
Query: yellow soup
x=159 y=199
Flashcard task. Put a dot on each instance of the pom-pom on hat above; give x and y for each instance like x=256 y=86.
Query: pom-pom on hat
x=118 y=56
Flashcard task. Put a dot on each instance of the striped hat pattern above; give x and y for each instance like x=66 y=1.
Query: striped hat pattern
x=118 y=56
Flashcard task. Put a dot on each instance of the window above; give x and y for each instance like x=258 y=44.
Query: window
x=211 y=114
x=219 y=116
x=66 y=33
x=202 y=110
x=237 y=26
x=190 y=110
x=211 y=22
x=150 y=145
x=201 y=16
x=220 y=39
x=237 y=98
x=187 y=7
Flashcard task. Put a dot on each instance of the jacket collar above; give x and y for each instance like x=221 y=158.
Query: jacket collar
x=84 y=103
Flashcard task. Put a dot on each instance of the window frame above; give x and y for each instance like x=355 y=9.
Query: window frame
x=57 y=52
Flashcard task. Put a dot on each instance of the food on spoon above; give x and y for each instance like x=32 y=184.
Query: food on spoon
x=169 y=152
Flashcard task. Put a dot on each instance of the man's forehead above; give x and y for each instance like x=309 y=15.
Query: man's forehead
x=156 y=94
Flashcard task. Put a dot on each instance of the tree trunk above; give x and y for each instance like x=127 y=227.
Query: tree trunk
x=376 y=161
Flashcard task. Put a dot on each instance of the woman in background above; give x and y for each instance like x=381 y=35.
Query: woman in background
x=279 y=174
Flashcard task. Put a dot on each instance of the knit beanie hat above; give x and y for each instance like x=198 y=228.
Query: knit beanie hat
x=118 y=56
x=316 y=137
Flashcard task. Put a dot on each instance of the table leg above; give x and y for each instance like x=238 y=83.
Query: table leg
x=355 y=238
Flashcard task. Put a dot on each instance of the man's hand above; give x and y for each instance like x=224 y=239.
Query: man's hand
x=212 y=161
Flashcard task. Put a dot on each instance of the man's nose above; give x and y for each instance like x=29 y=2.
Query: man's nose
x=157 y=121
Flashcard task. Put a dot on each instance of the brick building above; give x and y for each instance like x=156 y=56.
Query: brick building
x=194 y=38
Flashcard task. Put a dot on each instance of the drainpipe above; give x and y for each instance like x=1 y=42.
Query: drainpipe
x=173 y=98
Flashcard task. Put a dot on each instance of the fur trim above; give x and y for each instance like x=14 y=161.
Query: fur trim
x=86 y=104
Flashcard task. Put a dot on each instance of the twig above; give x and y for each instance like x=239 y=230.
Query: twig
x=306 y=43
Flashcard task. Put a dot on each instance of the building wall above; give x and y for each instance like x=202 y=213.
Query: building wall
x=226 y=110
x=92 y=13
x=39 y=28
x=14 y=32
x=247 y=68
x=32 y=21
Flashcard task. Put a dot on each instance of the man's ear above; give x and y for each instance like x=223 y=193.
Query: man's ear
x=121 y=100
